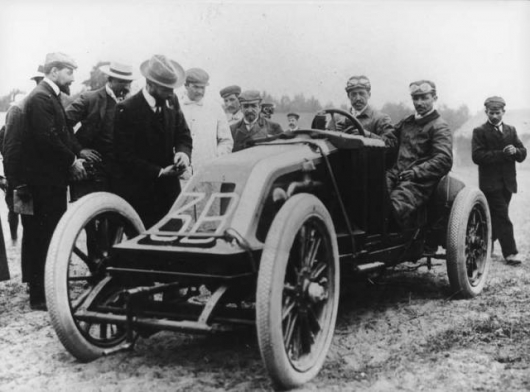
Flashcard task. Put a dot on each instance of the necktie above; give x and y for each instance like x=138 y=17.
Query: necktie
x=498 y=128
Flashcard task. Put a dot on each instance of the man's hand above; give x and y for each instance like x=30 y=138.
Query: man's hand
x=169 y=171
x=509 y=150
x=182 y=161
x=90 y=155
x=77 y=170
x=407 y=175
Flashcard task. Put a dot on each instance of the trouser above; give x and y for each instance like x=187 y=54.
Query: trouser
x=12 y=216
x=49 y=204
x=502 y=227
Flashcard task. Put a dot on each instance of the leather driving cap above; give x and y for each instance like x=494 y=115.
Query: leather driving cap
x=59 y=58
x=163 y=71
x=422 y=87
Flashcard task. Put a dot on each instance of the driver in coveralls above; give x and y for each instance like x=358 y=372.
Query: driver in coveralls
x=424 y=155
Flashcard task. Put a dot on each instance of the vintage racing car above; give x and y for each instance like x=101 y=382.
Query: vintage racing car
x=261 y=238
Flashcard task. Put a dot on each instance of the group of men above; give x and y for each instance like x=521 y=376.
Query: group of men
x=142 y=147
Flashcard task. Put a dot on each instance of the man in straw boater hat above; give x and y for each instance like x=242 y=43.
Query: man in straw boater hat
x=425 y=155
x=51 y=158
x=152 y=141
x=252 y=126
x=495 y=149
x=11 y=137
x=93 y=114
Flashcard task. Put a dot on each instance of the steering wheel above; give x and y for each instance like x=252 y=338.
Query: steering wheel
x=356 y=124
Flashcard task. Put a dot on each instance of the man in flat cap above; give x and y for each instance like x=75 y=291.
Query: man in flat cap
x=51 y=157
x=424 y=155
x=495 y=149
x=10 y=149
x=93 y=114
x=252 y=126
x=378 y=124
x=292 y=119
x=267 y=110
x=152 y=141
x=207 y=122
x=232 y=106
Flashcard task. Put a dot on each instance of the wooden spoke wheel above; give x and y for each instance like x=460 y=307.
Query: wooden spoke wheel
x=76 y=278
x=297 y=293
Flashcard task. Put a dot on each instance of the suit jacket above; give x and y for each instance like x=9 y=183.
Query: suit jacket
x=12 y=142
x=95 y=111
x=496 y=170
x=143 y=147
x=49 y=148
x=262 y=128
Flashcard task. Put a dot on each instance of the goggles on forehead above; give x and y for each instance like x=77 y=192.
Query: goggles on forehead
x=423 y=88
x=358 y=82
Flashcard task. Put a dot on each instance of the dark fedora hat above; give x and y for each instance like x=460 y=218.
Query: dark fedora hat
x=163 y=71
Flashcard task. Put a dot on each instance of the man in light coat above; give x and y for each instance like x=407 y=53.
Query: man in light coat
x=207 y=122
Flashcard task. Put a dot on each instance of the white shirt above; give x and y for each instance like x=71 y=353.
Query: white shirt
x=150 y=99
x=209 y=128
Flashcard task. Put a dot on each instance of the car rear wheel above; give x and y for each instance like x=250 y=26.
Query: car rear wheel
x=469 y=243
x=298 y=291
x=76 y=277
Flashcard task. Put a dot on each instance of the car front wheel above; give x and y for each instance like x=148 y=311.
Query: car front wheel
x=297 y=293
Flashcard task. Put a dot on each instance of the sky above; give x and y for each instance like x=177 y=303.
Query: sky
x=470 y=49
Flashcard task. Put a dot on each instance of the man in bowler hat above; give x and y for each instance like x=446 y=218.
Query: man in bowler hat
x=495 y=149
x=152 y=141
x=252 y=126
x=51 y=157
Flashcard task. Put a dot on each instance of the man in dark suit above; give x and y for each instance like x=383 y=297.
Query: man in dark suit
x=495 y=149
x=94 y=111
x=152 y=141
x=50 y=159
x=252 y=126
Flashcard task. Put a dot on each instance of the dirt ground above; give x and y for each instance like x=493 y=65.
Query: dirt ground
x=403 y=333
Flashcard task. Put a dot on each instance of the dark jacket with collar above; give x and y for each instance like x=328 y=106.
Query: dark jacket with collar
x=426 y=148
x=49 y=148
x=143 y=147
x=377 y=123
x=496 y=169
x=95 y=110
x=261 y=128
